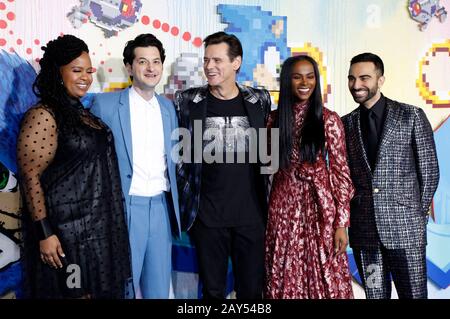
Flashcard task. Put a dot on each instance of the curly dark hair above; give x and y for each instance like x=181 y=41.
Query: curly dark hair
x=48 y=86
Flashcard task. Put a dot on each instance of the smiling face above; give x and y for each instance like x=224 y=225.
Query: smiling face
x=364 y=83
x=146 y=69
x=77 y=75
x=219 y=69
x=303 y=80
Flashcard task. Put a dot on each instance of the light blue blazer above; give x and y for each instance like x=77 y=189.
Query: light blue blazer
x=114 y=109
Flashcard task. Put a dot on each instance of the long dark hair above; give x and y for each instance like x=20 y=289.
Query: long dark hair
x=312 y=133
x=48 y=86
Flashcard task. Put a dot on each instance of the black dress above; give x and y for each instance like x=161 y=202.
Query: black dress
x=70 y=175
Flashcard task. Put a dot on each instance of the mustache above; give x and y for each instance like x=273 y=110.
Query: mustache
x=359 y=90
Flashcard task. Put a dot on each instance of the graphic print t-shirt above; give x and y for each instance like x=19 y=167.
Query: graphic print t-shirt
x=228 y=191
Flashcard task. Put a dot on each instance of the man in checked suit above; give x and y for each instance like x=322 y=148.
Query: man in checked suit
x=394 y=168
x=142 y=123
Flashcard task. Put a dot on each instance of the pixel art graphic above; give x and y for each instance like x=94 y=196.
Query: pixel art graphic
x=423 y=11
x=441 y=202
x=112 y=16
x=259 y=32
x=186 y=72
x=264 y=40
x=438 y=265
x=116 y=86
x=438 y=230
x=434 y=75
x=10 y=235
x=17 y=97
x=8 y=180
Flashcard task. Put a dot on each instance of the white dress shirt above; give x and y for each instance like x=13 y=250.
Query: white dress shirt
x=147 y=135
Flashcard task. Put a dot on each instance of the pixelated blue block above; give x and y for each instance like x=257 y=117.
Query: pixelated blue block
x=16 y=98
x=257 y=24
x=253 y=27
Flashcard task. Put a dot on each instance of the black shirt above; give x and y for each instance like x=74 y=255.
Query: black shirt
x=228 y=190
x=379 y=113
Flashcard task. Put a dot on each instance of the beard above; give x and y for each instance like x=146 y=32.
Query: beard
x=370 y=93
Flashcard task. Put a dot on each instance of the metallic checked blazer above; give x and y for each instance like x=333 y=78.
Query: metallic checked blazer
x=191 y=105
x=391 y=203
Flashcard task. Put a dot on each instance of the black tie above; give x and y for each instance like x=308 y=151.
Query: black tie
x=372 y=138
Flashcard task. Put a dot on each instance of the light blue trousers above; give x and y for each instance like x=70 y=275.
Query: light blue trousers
x=151 y=246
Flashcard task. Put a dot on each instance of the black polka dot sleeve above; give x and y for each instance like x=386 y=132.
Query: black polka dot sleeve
x=36 y=147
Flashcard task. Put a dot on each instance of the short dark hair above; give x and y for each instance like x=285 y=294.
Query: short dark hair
x=142 y=40
x=234 y=45
x=369 y=57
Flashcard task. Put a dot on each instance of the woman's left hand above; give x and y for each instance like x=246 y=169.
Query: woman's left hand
x=340 y=241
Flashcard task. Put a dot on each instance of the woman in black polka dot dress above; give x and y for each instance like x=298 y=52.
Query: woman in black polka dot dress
x=76 y=241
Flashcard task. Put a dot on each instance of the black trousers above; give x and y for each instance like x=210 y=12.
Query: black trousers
x=245 y=245
x=407 y=267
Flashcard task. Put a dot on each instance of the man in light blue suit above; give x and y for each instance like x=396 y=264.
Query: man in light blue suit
x=142 y=122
